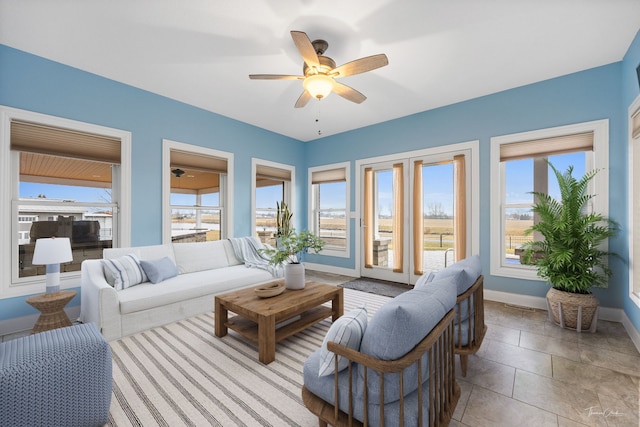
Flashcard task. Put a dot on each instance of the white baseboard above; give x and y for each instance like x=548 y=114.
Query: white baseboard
x=604 y=313
x=25 y=323
x=331 y=269
x=632 y=331
x=515 y=299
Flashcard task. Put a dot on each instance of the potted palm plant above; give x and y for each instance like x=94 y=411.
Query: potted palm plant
x=570 y=256
x=289 y=252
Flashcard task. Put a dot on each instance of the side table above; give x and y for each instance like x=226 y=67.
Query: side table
x=51 y=307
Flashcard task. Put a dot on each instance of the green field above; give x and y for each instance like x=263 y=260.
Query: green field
x=438 y=233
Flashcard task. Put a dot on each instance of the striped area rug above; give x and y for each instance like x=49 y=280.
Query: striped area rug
x=182 y=374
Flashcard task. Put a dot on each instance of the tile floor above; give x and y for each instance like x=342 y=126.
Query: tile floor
x=530 y=372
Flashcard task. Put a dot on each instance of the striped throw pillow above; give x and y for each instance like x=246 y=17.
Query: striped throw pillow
x=348 y=331
x=123 y=272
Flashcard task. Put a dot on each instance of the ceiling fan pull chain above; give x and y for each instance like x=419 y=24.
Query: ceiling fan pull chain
x=318 y=119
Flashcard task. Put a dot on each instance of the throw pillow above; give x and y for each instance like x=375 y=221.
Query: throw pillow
x=159 y=269
x=123 y=272
x=348 y=331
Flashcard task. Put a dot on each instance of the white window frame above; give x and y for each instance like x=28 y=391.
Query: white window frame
x=11 y=286
x=634 y=180
x=599 y=159
x=312 y=205
x=289 y=195
x=226 y=186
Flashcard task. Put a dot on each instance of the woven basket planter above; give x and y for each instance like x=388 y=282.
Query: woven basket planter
x=573 y=311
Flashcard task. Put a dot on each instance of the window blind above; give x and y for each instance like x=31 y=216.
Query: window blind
x=327 y=176
x=268 y=175
x=546 y=147
x=42 y=139
x=197 y=162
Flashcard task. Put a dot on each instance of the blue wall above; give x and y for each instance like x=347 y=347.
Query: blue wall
x=589 y=95
x=36 y=84
x=32 y=83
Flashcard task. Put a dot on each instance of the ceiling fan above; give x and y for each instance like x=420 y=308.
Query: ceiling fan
x=320 y=71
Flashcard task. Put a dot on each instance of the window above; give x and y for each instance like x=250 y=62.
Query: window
x=272 y=184
x=328 y=201
x=65 y=181
x=634 y=201
x=196 y=189
x=519 y=167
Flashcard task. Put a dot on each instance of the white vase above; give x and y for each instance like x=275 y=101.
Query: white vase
x=294 y=276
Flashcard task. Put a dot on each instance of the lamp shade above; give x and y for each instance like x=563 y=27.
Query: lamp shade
x=318 y=85
x=53 y=250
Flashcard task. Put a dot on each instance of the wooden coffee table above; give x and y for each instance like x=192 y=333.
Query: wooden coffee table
x=257 y=317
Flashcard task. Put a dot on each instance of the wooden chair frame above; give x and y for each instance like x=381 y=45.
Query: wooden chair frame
x=477 y=330
x=444 y=391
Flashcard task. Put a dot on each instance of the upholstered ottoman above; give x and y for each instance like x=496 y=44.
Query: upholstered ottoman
x=56 y=378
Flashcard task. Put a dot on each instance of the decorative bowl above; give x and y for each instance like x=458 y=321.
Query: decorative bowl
x=270 y=290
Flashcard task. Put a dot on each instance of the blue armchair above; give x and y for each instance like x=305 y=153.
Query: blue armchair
x=56 y=378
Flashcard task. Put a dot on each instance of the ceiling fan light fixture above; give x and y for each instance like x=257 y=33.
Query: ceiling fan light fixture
x=318 y=85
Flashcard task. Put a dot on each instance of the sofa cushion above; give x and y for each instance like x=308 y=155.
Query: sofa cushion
x=469 y=269
x=348 y=331
x=401 y=323
x=423 y=280
x=188 y=286
x=142 y=252
x=123 y=272
x=159 y=269
x=199 y=256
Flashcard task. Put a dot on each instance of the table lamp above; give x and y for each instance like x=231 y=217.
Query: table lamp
x=51 y=252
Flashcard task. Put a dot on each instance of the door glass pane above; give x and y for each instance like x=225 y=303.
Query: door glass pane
x=438 y=216
x=383 y=218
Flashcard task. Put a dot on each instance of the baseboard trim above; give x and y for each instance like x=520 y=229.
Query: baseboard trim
x=25 y=323
x=331 y=269
x=632 y=331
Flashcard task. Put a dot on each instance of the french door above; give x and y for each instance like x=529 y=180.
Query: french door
x=384 y=215
x=414 y=216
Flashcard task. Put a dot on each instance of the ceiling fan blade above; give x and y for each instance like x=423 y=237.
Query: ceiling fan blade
x=304 y=98
x=361 y=65
x=305 y=48
x=274 y=77
x=348 y=93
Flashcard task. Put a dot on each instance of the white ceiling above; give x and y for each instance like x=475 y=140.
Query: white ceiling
x=440 y=51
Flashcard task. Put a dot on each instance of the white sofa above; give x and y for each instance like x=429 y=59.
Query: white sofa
x=204 y=270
